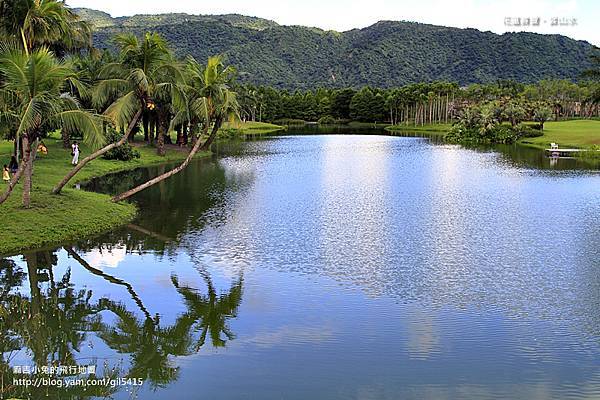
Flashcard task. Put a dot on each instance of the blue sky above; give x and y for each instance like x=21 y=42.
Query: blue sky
x=576 y=18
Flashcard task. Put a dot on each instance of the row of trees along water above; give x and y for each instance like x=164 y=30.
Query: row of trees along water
x=51 y=78
x=417 y=104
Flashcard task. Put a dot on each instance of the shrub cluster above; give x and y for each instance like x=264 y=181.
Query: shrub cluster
x=122 y=153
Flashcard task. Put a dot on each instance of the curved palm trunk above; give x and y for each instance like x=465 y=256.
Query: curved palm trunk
x=213 y=135
x=136 y=298
x=182 y=166
x=97 y=154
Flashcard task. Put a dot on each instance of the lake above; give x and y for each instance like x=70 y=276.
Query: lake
x=328 y=267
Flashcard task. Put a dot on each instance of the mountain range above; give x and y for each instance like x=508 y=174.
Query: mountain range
x=386 y=54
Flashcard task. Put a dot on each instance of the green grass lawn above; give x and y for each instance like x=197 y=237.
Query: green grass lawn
x=567 y=134
x=73 y=214
x=253 y=127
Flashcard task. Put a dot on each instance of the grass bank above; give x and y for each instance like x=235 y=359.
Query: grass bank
x=251 y=128
x=578 y=133
x=75 y=213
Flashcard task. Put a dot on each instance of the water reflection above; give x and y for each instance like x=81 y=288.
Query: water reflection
x=331 y=267
x=49 y=321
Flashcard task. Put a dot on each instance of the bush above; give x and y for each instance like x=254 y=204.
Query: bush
x=529 y=131
x=122 y=153
x=495 y=134
x=228 y=133
x=503 y=134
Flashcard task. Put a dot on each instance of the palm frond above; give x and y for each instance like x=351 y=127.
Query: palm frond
x=123 y=109
x=88 y=124
x=107 y=89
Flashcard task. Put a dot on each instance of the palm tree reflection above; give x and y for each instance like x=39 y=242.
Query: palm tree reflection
x=54 y=320
x=208 y=314
x=51 y=324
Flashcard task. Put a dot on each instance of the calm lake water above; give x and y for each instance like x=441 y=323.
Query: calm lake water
x=327 y=267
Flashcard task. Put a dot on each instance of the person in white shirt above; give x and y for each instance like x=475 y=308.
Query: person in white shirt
x=75 y=153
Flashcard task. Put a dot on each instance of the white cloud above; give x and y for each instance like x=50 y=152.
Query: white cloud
x=104 y=258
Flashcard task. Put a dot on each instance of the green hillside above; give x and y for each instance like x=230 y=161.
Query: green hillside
x=385 y=54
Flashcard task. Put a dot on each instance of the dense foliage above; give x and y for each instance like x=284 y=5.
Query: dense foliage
x=499 y=121
x=414 y=104
x=386 y=54
x=125 y=152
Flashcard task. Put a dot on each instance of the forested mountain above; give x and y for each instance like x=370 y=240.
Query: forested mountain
x=385 y=54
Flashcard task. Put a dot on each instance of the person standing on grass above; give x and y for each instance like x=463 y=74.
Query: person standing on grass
x=13 y=165
x=75 y=153
x=5 y=174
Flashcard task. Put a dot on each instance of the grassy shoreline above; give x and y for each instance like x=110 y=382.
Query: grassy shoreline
x=252 y=128
x=75 y=213
x=577 y=133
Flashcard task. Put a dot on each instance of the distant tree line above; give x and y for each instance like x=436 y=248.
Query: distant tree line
x=416 y=104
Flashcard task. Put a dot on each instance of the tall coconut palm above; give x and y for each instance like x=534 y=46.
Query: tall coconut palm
x=145 y=77
x=35 y=102
x=210 y=101
x=87 y=67
x=48 y=23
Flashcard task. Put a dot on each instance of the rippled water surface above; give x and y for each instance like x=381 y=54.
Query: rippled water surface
x=328 y=267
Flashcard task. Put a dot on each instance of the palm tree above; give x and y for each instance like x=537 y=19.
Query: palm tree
x=209 y=100
x=49 y=23
x=145 y=78
x=35 y=102
x=514 y=112
x=88 y=68
x=541 y=114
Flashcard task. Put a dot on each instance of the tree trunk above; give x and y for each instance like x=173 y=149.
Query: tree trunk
x=145 y=124
x=160 y=143
x=213 y=135
x=179 y=129
x=182 y=166
x=97 y=154
x=13 y=182
x=28 y=172
x=66 y=138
